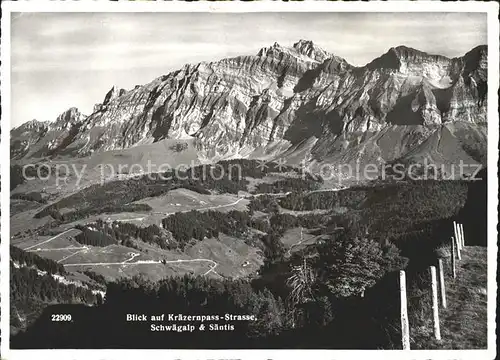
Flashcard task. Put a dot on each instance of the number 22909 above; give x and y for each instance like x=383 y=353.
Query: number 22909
x=61 y=317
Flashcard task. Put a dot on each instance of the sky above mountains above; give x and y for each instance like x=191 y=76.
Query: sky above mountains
x=61 y=60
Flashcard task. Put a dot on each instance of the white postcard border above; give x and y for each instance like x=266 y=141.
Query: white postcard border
x=490 y=8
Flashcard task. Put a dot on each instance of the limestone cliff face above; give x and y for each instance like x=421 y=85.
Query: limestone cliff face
x=38 y=139
x=24 y=136
x=276 y=99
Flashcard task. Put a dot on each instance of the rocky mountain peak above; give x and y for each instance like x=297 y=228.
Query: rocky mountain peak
x=480 y=50
x=304 y=50
x=407 y=54
x=271 y=50
x=69 y=118
x=415 y=63
x=397 y=56
x=33 y=125
x=308 y=48
x=476 y=62
x=112 y=95
x=406 y=51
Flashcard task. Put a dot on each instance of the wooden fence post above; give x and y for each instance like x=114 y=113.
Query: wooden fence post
x=405 y=332
x=435 y=310
x=453 y=257
x=457 y=244
x=462 y=234
x=457 y=236
x=455 y=231
x=441 y=283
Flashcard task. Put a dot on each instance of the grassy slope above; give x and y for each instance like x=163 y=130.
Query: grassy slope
x=464 y=321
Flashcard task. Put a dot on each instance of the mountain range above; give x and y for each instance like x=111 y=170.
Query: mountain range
x=298 y=103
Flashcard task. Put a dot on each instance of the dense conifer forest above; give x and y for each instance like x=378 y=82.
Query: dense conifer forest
x=31 y=259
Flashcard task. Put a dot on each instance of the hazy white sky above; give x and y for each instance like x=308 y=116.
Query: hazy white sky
x=61 y=60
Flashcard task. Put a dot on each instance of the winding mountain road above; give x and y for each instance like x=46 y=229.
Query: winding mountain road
x=128 y=262
x=156 y=262
x=46 y=241
x=85 y=248
x=200 y=209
